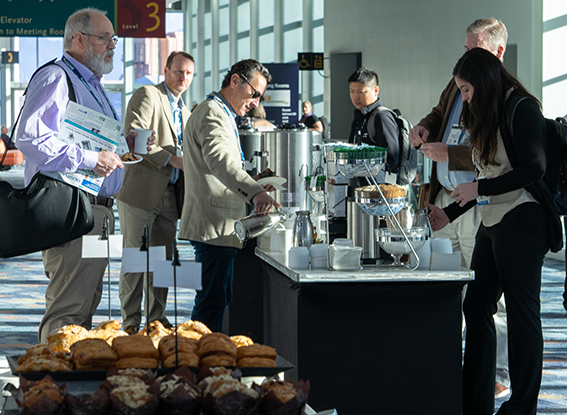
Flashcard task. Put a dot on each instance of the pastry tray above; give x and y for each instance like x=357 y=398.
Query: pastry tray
x=282 y=365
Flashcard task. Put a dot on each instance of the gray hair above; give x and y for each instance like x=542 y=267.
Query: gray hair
x=494 y=30
x=246 y=69
x=80 y=21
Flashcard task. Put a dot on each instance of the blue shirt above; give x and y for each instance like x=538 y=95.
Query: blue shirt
x=451 y=179
x=176 y=105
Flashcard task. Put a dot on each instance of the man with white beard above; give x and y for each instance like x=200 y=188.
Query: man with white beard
x=75 y=284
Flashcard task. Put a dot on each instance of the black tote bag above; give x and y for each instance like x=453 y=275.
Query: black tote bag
x=45 y=214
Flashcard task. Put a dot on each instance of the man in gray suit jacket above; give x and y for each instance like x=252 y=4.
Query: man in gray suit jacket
x=148 y=195
x=219 y=188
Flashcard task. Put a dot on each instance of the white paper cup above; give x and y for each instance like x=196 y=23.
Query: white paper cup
x=299 y=257
x=141 y=141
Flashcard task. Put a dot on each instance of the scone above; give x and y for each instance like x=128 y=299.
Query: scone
x=134 y=346
x=92 y=354
x=44 y=363
x=61 y=340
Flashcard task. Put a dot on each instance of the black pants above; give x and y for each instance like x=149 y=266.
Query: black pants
x=565 y=291
x=507 y=258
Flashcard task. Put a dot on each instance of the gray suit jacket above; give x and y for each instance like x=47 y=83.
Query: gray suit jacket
x=217 y=187
x=145 y=182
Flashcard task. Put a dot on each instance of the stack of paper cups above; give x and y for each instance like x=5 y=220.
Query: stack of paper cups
x=318 y=254
x=299 y=257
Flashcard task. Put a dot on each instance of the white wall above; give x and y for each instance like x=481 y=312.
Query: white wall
x=414 y=44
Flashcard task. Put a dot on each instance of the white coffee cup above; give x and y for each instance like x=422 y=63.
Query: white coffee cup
x=141 y=141
x=299 y=257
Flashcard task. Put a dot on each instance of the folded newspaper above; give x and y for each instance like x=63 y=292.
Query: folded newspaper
x=90 y=130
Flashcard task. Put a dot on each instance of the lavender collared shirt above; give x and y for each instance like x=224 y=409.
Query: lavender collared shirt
x=41 y=120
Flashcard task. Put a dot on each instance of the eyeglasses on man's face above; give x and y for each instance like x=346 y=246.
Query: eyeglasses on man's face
x=106 y=39
x=256 y=94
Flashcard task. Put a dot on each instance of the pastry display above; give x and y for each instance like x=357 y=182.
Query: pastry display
x=390 y=191
x=157 y=331
x=92 y=354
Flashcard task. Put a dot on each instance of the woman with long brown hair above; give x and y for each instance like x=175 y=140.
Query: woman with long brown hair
x=513 y=238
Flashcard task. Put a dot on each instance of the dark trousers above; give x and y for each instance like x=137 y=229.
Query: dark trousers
x=216 y=293
x=507 y=258
x=565 y=291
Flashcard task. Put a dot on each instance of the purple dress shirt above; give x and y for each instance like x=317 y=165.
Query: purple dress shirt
x=41 y=119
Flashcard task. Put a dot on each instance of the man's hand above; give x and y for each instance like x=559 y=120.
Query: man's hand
x=131 y=138
x=176 y=162
x=106 y=164
x=263 y=203
x=465 y=192
x=418 y=135
x=437 y=217
x=436 y=151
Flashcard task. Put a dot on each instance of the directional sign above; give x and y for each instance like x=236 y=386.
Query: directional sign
x=310 y=61
x=10 y=57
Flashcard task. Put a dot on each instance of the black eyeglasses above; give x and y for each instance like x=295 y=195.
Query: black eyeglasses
x=256 y=94
x=106 y=39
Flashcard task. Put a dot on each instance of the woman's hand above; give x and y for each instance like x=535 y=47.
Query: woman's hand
x=465 y=192
x=437 y=217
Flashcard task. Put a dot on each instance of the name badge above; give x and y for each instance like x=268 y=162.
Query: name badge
x=455 y=136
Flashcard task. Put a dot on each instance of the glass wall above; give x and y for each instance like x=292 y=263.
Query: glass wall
x=222 y=32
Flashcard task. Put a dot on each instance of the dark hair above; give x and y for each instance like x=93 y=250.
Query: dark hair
x=246 y=69
x=174 y=54
x=364 y=76
x=482 y=117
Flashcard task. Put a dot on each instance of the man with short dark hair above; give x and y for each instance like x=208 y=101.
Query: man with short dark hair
x=6 y=139
x=75 y=284
x=371 y=126
x=152 y=191
x=219 y=188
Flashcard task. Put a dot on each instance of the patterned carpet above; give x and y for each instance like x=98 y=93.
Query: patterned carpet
x=22 y=302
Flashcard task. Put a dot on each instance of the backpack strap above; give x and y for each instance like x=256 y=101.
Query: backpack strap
x=72 y=97
x=403 y=146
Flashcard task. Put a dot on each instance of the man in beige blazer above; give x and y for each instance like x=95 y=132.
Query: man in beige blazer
x=219 y=187
x=148 y=194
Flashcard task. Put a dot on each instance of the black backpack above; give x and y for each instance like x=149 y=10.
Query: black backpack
x=407 y=165
x=555 y=153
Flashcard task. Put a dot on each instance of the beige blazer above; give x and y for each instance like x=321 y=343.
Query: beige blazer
x=145 y=182
x=217 y=187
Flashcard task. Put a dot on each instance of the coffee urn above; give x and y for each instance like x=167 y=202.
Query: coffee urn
x=292 y=152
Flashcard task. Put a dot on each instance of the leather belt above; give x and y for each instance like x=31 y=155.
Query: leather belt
x=449 y=192
x=101 y=201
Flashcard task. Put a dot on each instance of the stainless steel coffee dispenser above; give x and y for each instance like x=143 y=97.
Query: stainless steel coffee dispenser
x=251 y=143
x=293 y=153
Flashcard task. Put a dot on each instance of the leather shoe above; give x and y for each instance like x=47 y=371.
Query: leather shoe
x=500 y=391
x=131 y=330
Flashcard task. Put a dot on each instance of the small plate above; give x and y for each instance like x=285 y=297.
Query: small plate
x=138 y=159
x=275 y=181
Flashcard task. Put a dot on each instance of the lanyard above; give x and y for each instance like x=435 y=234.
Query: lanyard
x=224 y=107
x=358 y=133
x=85 y=83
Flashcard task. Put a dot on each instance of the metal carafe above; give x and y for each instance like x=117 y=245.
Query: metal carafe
x=303 y=229
x=256 y=225
x=405 y=219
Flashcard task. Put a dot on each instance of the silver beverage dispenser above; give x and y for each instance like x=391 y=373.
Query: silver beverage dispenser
x=293 y=153
x=251 y=143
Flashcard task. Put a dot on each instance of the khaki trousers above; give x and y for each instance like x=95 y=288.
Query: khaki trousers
x=75 y=284
x=162 y=226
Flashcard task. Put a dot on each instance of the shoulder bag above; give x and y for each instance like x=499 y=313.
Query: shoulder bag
x=46 y=213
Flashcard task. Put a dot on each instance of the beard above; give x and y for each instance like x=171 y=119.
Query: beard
x=95 y=62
